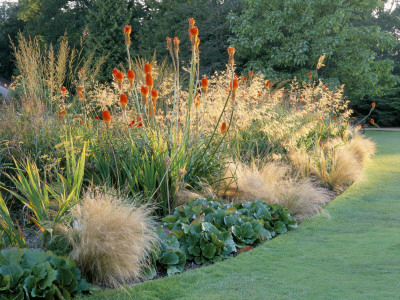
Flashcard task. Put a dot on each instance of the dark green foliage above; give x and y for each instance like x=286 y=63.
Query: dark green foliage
x=9 y=27
x=387 y=110
x=207 y=231
x=170 y=19
x=106 y=20
x=27 y=273
x=285 y=39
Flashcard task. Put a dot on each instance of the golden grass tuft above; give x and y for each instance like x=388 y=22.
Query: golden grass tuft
x=337 y=167
x=363 y=148
x=274 y=183
x=113 y=239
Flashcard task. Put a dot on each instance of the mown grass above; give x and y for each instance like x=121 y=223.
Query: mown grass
x=351 y=254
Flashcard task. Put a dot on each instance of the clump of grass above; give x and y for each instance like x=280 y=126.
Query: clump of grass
x=362 y=148
x=112 y=240
x=336 y=167
x=275 y=184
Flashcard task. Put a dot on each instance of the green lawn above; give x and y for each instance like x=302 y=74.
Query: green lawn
x=352 y=254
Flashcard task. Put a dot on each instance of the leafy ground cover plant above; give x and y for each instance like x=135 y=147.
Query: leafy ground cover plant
x=29 y=274
x=207 y=230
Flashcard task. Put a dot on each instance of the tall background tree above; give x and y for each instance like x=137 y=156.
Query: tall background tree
x=285 y=39
x=10 y=25
x=170 y=18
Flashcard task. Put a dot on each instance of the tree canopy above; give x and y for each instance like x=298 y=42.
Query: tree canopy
x=285 y=39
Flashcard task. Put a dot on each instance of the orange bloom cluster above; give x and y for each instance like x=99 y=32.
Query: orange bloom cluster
x=131 y=77
x=204 y=84
x=197 y=101
x=267 y=84
x=123 y=101
x=127 y=31
x=224 y=127
x=231 y=53
x=61 y=114
x=81 y=93
x=107 y=118
x=372 y=121
x=63 y=90
x=144 y=90
x=147 y=68
x=154 y=97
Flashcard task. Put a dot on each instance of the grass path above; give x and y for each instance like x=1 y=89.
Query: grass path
x=352 y=254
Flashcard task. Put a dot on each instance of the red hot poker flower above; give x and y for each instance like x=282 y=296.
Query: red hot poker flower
x=224 y=127
x=120 y=78
x=144 y=90
x=81 y=93
x=267 y=84
x=123 y=101
x=176 y=45
x=147 y=68
x=61 y=114
x=245 y=79
x=197 y=101
x=325 y=87
x=149 y=81
x=127 y=31
x=372 y=121
x=251 y=75
x=131 y=76
x=154 y=94
x=114 y=72
x=231 y=53
x=309 y=74
x=107 y=118
x=373 y=105
x=235 y=84
x=96 y=118
x=63 y=90
x=191 y=22
x=204 y=84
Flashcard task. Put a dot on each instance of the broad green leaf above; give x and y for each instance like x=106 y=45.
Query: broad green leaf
x=169 y=258
x=209 y=251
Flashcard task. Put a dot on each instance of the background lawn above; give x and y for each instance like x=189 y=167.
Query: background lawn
x=352 y=253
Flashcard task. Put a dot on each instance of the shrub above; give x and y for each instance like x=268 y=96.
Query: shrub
x=112 y=239
x=26 y=274
x=274 y=182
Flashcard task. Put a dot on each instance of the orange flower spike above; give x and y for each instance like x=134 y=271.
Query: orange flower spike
x=120 y=78
x=194 y=32
x=147 y=68
x=224 y=127
x=131 y=77
x=81 y=93
x=127 y=31
x=61 y=114
x=334 y=118
x=154 y=94
x=123 y=101
x=197 y=101
x=251 y=75
x=267 y=84
x=245 y=79
x=359 y=127
x=235 y=84
x=372 y=121
x=373 y=105
x=309 y=74
x=114 y=73
x=176 y=45
x=107 y=118
x=63 y=90
x=169 y=46
x=325 y=87
x=231 y=53
x=204 y=84
x=315 y=98
x=149 y=81
x=191 y=22
x=144 y=90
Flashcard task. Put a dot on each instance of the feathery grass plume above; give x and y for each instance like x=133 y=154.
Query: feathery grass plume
x=113 y=239
x=363 y=148
x=274 y=183
x=336 y=167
